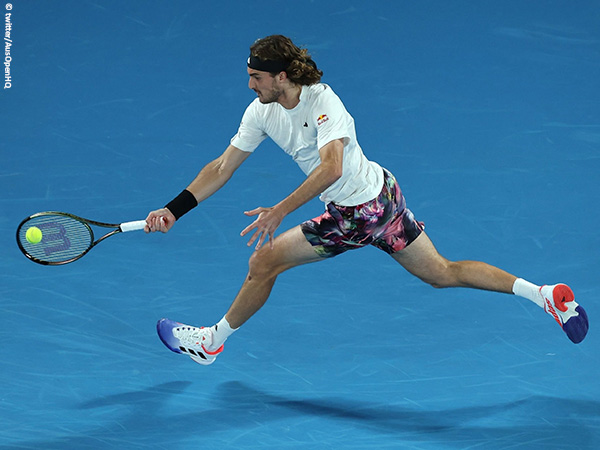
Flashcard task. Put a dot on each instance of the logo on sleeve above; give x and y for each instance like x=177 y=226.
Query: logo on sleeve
x=322 y=119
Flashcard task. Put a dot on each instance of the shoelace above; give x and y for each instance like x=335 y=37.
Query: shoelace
x=191 y=336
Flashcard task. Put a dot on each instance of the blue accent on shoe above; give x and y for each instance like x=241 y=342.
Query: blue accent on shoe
x=577 y=326
x=164 y=327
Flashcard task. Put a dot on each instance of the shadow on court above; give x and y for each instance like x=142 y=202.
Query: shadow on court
x=240 y=414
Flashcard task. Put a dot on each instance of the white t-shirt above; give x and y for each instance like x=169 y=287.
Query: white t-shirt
x=318 y=119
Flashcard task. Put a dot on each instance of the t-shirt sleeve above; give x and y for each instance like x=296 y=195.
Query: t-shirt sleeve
x=249 y=134
x=332 y=120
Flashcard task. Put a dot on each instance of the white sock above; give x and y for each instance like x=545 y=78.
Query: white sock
x=221 y=331
x=528 y=290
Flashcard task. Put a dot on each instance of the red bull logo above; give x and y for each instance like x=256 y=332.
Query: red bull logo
x=322 y=119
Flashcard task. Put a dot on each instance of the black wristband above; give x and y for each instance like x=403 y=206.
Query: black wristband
x=182 y=204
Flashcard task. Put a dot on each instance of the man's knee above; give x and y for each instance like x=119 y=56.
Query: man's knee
x=262 y=264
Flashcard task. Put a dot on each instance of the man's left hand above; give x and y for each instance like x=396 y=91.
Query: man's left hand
x=267 y=222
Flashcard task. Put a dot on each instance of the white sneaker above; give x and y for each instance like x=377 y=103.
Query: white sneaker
x=192 y=341
x=559 y=302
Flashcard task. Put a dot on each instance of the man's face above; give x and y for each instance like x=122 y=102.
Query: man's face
x=267 y=87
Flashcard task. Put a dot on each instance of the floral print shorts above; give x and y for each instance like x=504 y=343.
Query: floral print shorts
x=384 y=222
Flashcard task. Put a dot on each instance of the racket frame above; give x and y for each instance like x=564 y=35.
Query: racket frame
x=118 y=228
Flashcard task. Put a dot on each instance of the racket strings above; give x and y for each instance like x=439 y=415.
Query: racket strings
x=63 y=238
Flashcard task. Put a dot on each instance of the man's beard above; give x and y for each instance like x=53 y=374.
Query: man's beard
x=270 y=97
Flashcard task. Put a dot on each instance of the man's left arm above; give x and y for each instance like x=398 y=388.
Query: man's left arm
x=323 y=176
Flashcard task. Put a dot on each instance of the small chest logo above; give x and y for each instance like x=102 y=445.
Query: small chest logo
x=322 y=119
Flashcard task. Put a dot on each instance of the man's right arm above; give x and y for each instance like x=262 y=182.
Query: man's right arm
x=210 y=179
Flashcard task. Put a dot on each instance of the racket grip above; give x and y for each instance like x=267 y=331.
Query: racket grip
x=133 y=226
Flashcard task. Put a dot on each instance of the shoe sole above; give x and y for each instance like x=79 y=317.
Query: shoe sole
x=575 y=327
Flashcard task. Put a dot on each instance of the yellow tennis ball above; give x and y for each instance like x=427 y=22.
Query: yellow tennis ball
x=34 y=235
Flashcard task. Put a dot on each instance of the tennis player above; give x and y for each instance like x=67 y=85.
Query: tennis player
x=363 y=204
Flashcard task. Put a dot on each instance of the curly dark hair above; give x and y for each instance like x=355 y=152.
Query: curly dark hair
x=302 y=69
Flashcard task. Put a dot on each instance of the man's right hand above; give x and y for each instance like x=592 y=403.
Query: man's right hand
x=160 y=220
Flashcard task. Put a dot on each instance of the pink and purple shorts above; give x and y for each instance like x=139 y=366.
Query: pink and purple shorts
x=384 y=222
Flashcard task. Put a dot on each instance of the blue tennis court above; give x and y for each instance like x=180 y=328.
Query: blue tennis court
x=488 y=113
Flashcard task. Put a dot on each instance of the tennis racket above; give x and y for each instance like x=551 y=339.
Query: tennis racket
x=65 y=237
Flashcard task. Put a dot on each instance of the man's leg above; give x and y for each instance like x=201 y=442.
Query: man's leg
x=290 y=249
x=203 y=345
x=423 y=260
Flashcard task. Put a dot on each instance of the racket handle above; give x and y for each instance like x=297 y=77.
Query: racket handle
x=133 y=226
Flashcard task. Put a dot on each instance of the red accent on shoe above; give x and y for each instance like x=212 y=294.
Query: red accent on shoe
x=216 y=352
x=552 y=311
x=562 y=294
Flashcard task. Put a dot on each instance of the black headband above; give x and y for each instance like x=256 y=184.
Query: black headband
x=267 y=65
